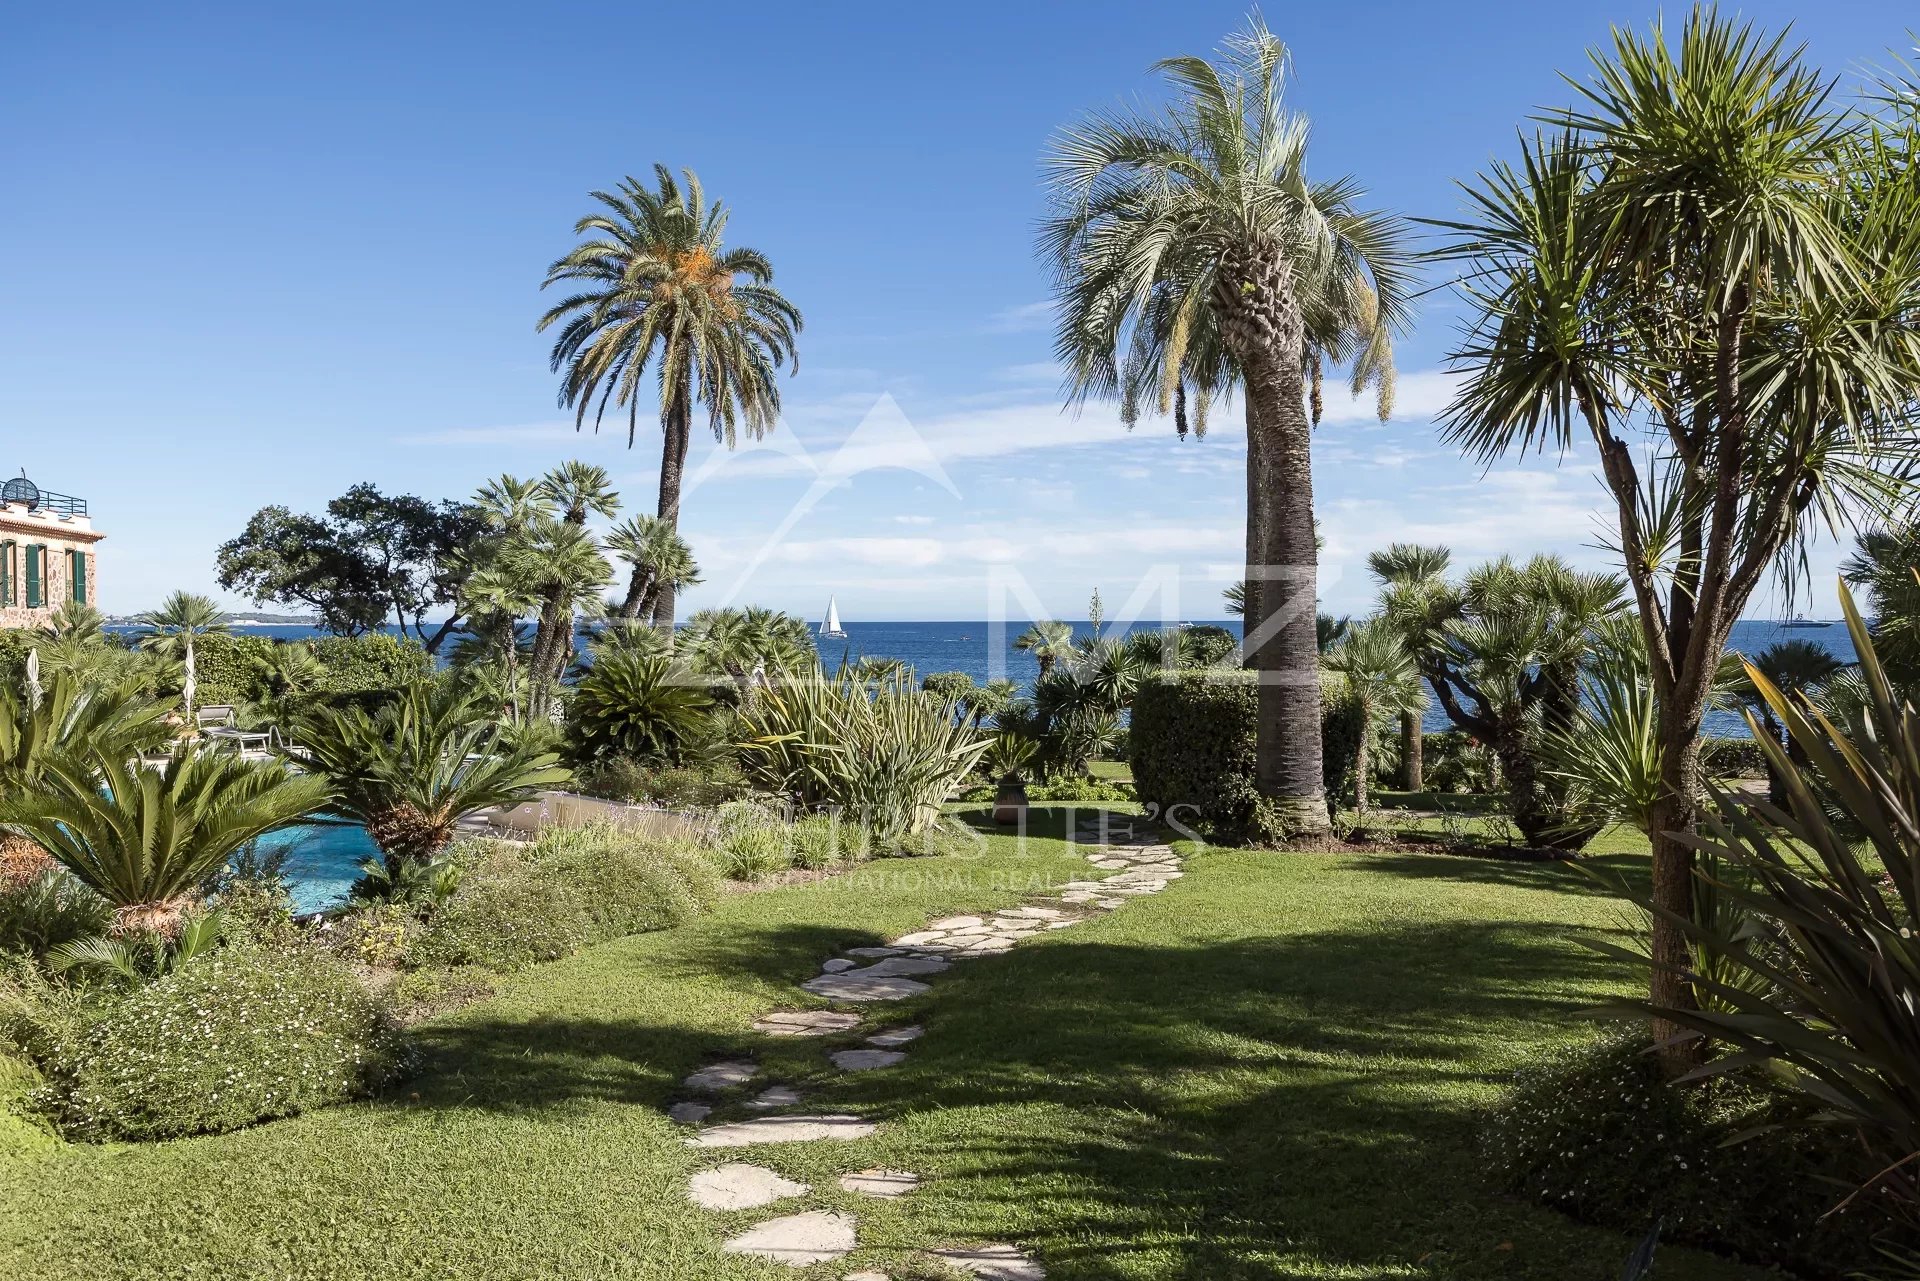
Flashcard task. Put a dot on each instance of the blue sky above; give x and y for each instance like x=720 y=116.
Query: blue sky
x=254 y=254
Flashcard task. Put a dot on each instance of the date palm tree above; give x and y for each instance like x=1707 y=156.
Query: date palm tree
x=1204 y=210
x=1049 y=641
x=659 y=286
x=1410 y=567
x=182 y=619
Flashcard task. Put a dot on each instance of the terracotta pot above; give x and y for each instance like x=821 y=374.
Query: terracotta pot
x=1010 y=802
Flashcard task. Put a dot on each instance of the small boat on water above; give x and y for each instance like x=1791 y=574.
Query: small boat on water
x=1801 y=620
x=832 y=626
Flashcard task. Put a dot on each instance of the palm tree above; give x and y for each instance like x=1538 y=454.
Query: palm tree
x=412 y=770
x=1202 y=216
x=1798 y=669
x=1381 y=673
x=1049 y=641
x=181 y=619
x=1884 y=564
x=495 y=599
x=1410 y=566
x=145 y=838
x=659 y=286
x=659 y=559
x=738 y=643
x=561 y=565
x=990 y=700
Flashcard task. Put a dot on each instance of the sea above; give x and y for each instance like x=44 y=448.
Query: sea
x=984 y=650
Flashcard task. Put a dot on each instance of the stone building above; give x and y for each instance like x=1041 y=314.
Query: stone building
x=47 y=553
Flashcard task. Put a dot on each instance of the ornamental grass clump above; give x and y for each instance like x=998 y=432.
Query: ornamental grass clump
x=224 y=1041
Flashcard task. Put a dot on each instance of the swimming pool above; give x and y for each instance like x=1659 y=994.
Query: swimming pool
x=323 y=860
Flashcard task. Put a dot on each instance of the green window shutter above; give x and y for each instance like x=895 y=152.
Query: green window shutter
x=36 y=575
x=77 y=576
x=7 y=555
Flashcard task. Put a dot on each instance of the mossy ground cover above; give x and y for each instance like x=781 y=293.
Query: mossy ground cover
x=1275 y=1069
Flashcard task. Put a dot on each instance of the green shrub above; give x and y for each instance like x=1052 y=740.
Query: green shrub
x=627 y=885
x=53 y=908
x=226 y=1040
x=630 y=704
x=1080 y=789
x=816 y=842
x=505 y=920
x=752 y=853
x=622 y=778
x=380 y=935
x=230 y=668
x=1733 y=757
x=1594 y=1130
x=1192 y=747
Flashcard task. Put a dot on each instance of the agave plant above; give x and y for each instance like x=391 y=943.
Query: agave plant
x=415 y=768
x=143 y=838
x=889 y=753
x=1827 y=1003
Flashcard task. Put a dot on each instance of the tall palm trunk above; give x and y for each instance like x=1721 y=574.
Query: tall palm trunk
x=1361 y=751
x=640 y=589
x=676 y=427
x=1412 y=748
x=1260 y=320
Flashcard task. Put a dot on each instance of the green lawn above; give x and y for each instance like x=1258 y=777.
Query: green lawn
x=1272 y=1070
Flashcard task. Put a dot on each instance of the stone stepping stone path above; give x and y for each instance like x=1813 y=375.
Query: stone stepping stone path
x=871 y=975
x=737 y=1186
x=818 y=1236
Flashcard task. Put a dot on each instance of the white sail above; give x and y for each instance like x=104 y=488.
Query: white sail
x=832 y=626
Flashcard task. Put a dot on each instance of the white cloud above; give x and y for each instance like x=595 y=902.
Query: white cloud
x=1418 y=397
x=1026 y=318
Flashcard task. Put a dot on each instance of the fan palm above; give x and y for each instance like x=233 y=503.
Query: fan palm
x=1202 y=216
x=1049 y=641
x=659 y=559
x=737 y=643
x=412 y=770
x=1886 y=564
x=181 y=619
x=144 y=838
x=1799 y=669
x=560 y=565
x=658 y=286
x=1374 y=659
x=1405 y=566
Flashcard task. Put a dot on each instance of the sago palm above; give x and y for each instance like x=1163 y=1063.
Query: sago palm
x=1202 y=215
x=658 y=286
x=144 y=838
x=412 y=770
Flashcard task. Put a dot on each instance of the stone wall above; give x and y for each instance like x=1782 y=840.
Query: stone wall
x=59 y=536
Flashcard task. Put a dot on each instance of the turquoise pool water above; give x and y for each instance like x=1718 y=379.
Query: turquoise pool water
x=323 y=860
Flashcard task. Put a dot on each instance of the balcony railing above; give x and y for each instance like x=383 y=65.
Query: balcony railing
x=24 y=493
x=62 y=504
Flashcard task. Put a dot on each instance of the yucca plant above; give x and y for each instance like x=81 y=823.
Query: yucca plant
x=415 y=768
x=1827 y=1001
x=888 y=753
x=144 y=839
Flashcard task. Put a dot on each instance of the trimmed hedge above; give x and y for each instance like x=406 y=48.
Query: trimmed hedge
x=1193 y=745
x=230 y=668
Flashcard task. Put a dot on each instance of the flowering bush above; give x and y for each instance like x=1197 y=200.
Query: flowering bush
x=226 y=1040
x=1595 y=1130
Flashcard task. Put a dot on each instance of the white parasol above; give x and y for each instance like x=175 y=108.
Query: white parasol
x=33 y=678
x=191 y=686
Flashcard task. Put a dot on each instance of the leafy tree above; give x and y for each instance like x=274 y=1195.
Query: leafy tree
x=1409 y=565
x=1049 y=641
x=413 y=769
x=371 y=558
x=1714 y=273
x=181 y=619
x=989 y=700
x=144 y=838
x=658 y=286
x=1201 y=218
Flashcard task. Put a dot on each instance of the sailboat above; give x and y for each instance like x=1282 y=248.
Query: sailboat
x=832 y=626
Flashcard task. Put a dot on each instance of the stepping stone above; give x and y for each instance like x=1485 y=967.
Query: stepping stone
x=836 y=965
x=1061 y=925
x=969 y=939
x=994 y=1263
x=876 y=951
x=1032 y=913
x=881 y=1183
x=778 y=1096
x=867 y=1276
x=737 y=1186
x=921 y=939
x=722 y=1076
x=818 y=1236
x=906 y=965
x=865 y=1060
x=1076 y=896
x=783 y=1129
x=688 y=1113
x=954 y=923
x=806 y=1023
x=988 y=946
x=895 y=1037
x=859 y=986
